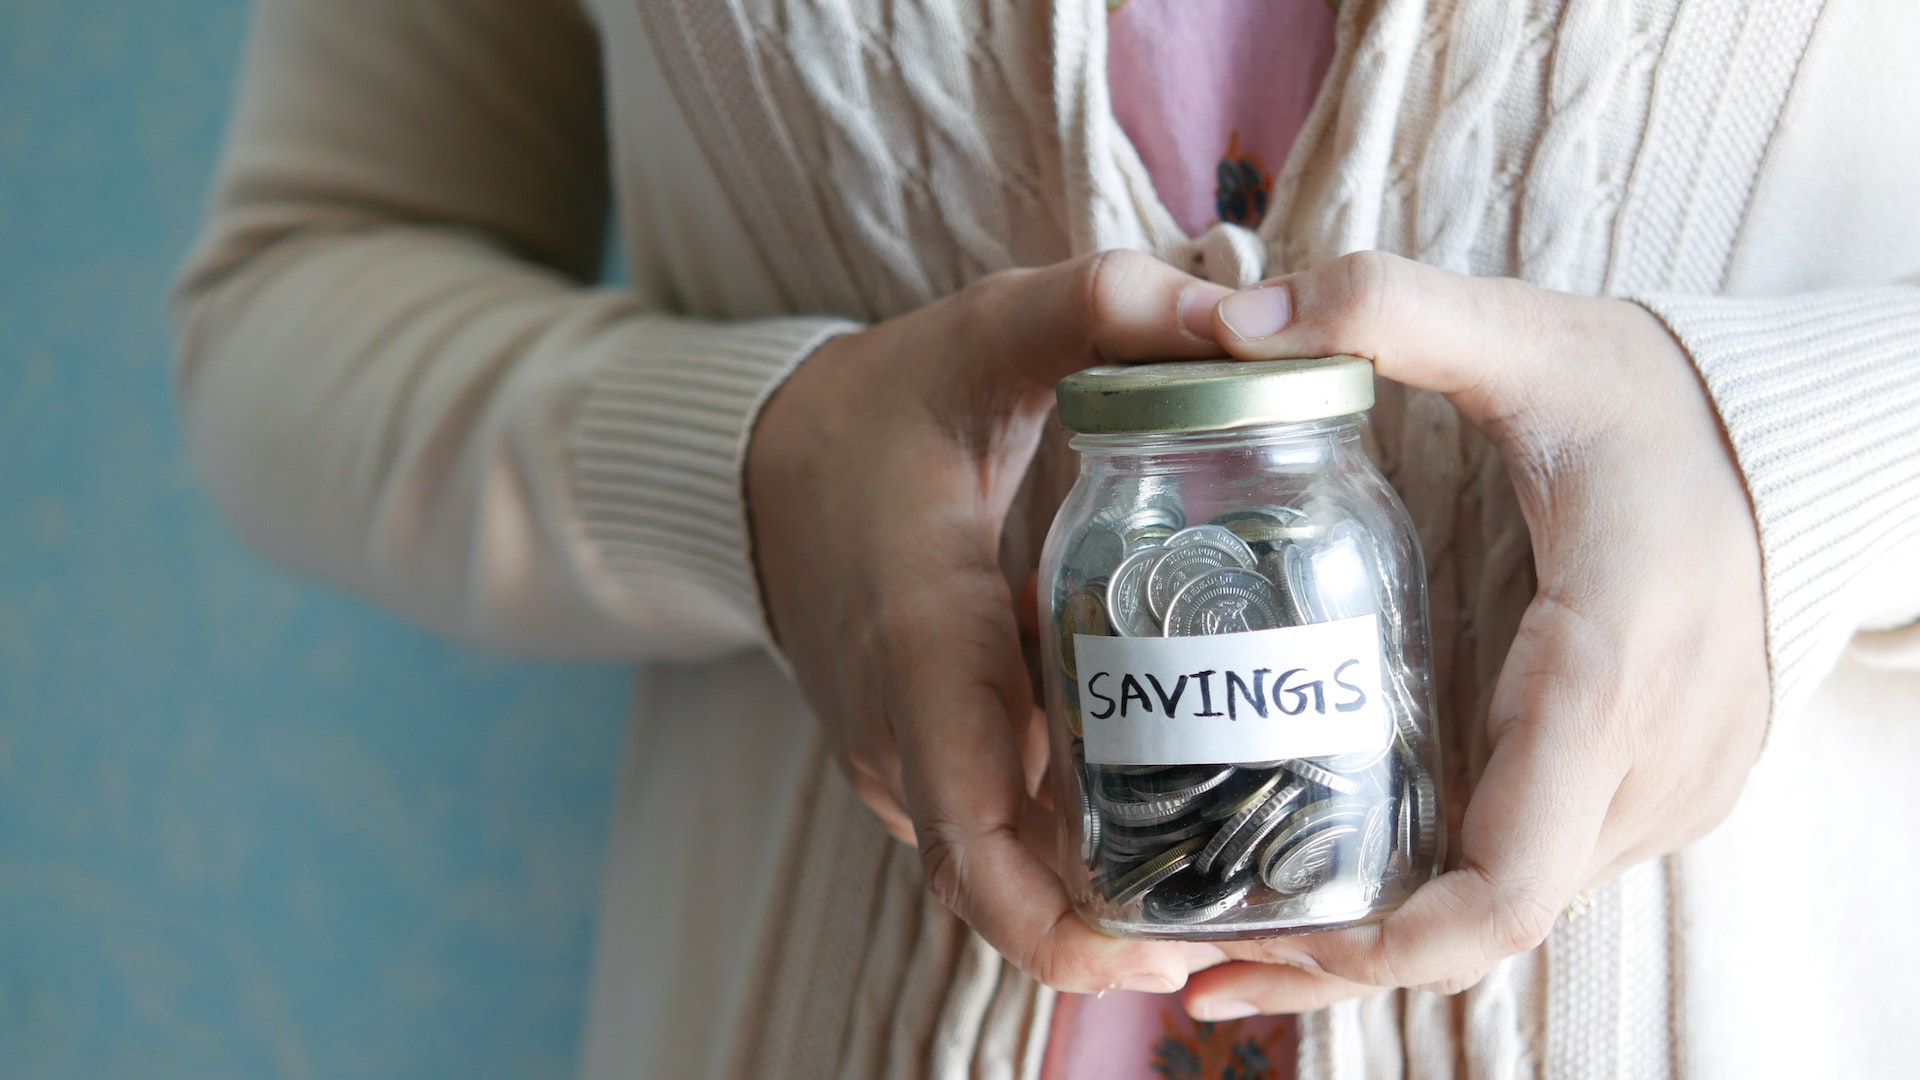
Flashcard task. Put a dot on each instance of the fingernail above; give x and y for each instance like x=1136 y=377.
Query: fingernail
x=1196 y=308
x=1257 y=312
x=1276 y=953
x=1151 y=982
x=1215 y=1011
x=1201 y=955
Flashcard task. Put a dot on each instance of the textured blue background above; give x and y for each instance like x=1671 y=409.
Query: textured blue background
x=246 y=829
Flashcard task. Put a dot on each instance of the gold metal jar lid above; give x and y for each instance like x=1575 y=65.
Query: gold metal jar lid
x=1131 y=399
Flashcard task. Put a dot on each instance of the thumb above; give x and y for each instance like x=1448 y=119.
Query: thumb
x=1115 y=306
x=1482 y=342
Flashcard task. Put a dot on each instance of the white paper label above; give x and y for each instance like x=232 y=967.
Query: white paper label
x=1263 y=695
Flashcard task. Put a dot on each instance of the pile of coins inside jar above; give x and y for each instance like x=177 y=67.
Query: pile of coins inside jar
x=1242 y=846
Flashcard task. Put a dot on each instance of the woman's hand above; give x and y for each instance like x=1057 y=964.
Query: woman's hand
x=879 y=481
x=1635 y=696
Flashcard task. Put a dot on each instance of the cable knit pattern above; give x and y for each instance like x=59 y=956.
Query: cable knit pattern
x=884 y=153
x=1710 y=123
x=1589 y=58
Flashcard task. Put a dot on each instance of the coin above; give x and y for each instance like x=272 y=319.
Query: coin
x=1147 y=536
x=1305 y=854
x=1127 y=594
x=1424 y=798
x=1089 y=825
x=1376 y=842
x=1125 y=883
x=1229 y=600
x=1180 y=565
x=1100 y=550
x=1083 y=613
x=1407 y=713
x=1187 y=898
x=1249 y=788
x=1168 y=782
x=1327 y=778
x=1357 y=762
x=1273 y=567
x=1255 y=518
x=1268 y=528
x=1304 y=865
x=1124 y=842
x=1216 y=535
x=1236 y=850
x=1244 y=814
x=1340 y=578
x=1133 y=812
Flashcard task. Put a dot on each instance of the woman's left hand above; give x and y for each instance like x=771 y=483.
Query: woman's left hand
x=1634 y=699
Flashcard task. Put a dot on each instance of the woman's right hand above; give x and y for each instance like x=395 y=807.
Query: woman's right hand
x=879 y=480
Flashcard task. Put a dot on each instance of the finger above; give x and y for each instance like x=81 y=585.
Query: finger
x=953 y=681
x=1236 y=990
x=883 y=801
x=1480 y=341
x=1530 y=829
x=1112 y=307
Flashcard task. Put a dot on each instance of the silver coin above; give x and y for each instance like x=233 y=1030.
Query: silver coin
x=1272 y=801
x=1408 y=716
x=1217 y=535
x=1089 y=823
x=1357 y=762
x=1083 y=612
x=1250 y=788
x=1188 y=898
x=1237 y=851
x=1140 y=504
x=1229 y=600
x=1178 y=566
x=1122 y=842
x=1376 y=846
x=1147 y=536
x=1254 y=516
x=1268 y=527
x=1305 y=854
x=1426 y=820
x=1306 y=864
x=1127 y=605
x=1125 y=883
x=1339 y=576
x=1167 y=782
x=1327 y=778
x=1135 y=812
x=1273 y=567
x=1099 y=550
x=1404 y=830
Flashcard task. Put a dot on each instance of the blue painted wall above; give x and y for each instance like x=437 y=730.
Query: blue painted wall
x=247 y=829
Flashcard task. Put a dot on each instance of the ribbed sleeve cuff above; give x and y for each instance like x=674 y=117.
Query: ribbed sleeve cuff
x=657 y=451
x=1820 y=396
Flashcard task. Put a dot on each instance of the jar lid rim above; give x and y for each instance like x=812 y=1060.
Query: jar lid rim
x=1212 y=395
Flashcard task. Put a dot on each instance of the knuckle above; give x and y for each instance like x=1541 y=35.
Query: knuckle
x=1105 y=281
x=1523 y=916
x=1373 y=290
x=1455 y=984
x=943 y=862
x=1051 y=964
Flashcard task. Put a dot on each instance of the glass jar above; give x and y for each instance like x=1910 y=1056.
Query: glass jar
x=1240 y=708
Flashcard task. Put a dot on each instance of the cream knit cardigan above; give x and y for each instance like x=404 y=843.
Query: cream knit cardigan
x=395 y=380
